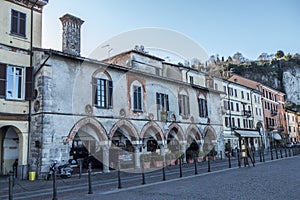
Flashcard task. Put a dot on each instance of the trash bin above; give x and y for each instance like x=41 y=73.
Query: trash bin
x=32 y=176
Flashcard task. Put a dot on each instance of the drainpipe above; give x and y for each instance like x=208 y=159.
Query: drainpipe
x=32 y=78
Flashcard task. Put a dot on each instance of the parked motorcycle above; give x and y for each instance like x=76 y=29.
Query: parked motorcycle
x=63 y=171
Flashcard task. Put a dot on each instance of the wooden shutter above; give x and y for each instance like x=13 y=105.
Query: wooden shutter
x=167 y=102
x=29 y=84
x=2 y=80
x=110 y=94
x=94 y=91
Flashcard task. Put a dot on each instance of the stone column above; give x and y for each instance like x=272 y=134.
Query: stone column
x=163 y=152
x=105 y=160
x=183 y=150
x=137 y=163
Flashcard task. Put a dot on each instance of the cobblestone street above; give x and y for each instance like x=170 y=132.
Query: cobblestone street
x=274 y=179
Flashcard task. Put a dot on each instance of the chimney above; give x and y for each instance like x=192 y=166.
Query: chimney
x=71 y=34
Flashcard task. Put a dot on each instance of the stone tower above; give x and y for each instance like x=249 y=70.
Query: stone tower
x=71 y=34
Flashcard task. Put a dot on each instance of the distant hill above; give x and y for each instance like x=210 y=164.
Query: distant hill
x=280 y=74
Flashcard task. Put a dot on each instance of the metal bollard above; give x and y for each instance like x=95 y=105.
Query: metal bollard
x=276 y=153
x=221 y=155
x=263 y=154
x=271 y=150
x=239 y=159
x=195 y=165
x=54 y=185
x=10 y=189
x=289 y=152
x=163 y=170
x=260 y=157
x=80 y=166
x=119 y=175
x=229 y=161
x=143 y=171
x=89 y=178
x=253 y=155
x=285 y=151
x=280 y=152
x=208 y=164
x=180 y=166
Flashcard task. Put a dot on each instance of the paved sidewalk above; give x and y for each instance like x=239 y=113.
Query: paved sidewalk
x=277 y=179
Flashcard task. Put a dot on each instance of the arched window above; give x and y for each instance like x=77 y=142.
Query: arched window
x=137 y=96
x=102 y=90
x=202 y=103
x=184 y=103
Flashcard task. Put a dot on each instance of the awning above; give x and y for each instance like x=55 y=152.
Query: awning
x=277 y=136
x=241 y=133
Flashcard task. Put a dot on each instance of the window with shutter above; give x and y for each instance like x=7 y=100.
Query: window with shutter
x=15 y=83
x=103 y=91
x=18 y=23
x=2 y=80
x=162 y=101
x=29 y=84
x=184 y=105
x=137 y=98
x=203 y=112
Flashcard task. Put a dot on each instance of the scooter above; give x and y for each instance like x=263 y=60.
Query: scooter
x=63 y=171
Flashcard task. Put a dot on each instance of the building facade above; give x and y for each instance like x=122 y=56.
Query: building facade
x=242 y=116
x=292 y=126
x=134 y=102
x=274 y=126
x=21 y=25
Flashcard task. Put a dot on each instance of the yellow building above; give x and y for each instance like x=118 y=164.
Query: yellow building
x=21 y=30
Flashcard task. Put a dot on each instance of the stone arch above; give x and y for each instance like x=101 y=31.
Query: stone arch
x=129 y=127
x=101 y=70
x=12 y=147
x=183 y=90
x=209 y=131
x=95 y=124
x=210 y=138
x=154 y=127
x=194 y=132
x=180 y=133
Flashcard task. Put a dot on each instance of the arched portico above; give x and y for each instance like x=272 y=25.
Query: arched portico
x=176 y=140
x=12 y=146
x=89 y=138
x=194 y=143
x=210 y=139
x=124 y=143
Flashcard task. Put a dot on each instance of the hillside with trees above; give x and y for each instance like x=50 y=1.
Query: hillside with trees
x=278 y=71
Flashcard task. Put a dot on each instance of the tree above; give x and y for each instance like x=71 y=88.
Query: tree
x=288 y=56
x=238 y=57
x=263 y=57
x=296 y=56
x=279 y=54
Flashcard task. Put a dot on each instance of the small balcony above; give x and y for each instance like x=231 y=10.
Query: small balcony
x=247 y=113
x=273 y=112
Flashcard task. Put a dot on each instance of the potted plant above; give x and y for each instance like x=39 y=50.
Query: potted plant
x=146 y=159
x=213 y=153
x=178 y=156
x=158 y=161
x=200 y=155
x=170 y=158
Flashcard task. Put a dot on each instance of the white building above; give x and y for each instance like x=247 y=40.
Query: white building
x=242 y=115
x=133 y=101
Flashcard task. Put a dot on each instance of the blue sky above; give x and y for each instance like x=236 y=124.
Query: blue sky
x=219 y=26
